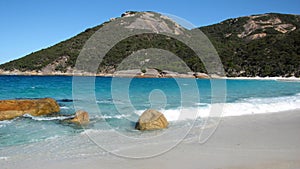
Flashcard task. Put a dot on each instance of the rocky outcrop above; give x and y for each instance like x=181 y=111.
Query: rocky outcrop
x=128 y=73
x=262 y=23
x=154 y=73
x=57 y=65
x=81 y=118
x=199 y=75
x=257 y=36
x=153 y=21
x=10 y=109
x=152 y=120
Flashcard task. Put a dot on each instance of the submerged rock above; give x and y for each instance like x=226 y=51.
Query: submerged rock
x=10 y=109
x=81 y=118
x=152 y=120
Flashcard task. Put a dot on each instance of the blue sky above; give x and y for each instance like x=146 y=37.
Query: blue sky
x=31 y=25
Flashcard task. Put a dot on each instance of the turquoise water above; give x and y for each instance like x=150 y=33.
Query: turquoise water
x=120 y=101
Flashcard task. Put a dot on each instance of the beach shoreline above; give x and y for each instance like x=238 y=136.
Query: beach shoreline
x=250 y=141
x=186 y=76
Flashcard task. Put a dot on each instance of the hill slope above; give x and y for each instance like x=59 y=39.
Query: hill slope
x=258 y=45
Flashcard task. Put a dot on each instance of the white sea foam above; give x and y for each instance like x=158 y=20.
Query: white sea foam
x=177 y=114
x=47 y=118
x=112 y=117
x=262 y=105
x=5 y=122
x=4 y=158
x=65 y=107
x=53 y=137
x=242 y=107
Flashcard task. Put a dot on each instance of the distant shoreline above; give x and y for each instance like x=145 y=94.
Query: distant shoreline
x=171 y=76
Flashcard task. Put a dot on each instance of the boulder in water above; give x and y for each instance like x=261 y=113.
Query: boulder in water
x=152 y=120
x=81 y=118
x=10 y=109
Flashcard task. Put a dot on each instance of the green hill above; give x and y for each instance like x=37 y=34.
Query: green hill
x=258 y=45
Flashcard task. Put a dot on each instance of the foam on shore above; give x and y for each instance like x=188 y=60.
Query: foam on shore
x=242 y=107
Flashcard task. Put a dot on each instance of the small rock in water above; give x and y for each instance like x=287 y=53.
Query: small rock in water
x=152 y=120
x=81 y=118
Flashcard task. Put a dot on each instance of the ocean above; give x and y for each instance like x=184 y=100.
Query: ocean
x=114 y=105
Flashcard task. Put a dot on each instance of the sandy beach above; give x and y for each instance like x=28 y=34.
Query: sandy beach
x=265 y=141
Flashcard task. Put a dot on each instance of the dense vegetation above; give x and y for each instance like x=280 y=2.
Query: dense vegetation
x=145 y=41
x=276 y=54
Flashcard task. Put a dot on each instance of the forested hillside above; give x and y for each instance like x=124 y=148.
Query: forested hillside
x=258 y=45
